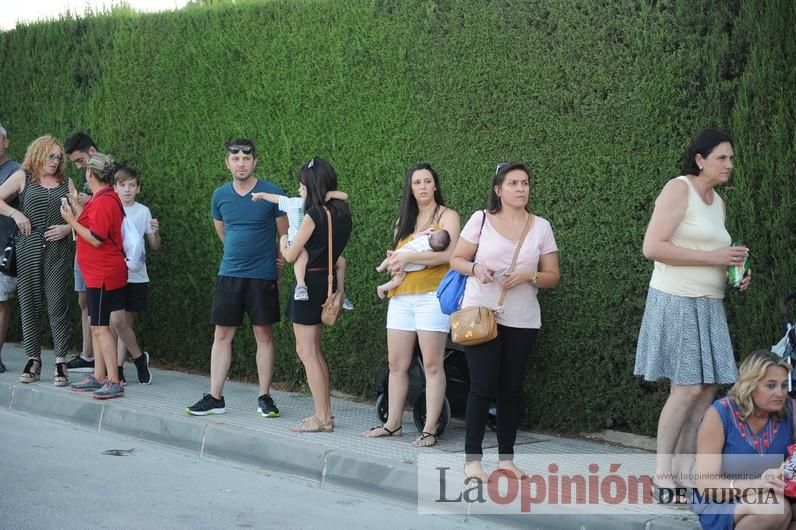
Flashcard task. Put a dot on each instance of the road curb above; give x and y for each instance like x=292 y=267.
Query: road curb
x=394 y=481
x=252 y=447
x=148 y=426
x=391 y=480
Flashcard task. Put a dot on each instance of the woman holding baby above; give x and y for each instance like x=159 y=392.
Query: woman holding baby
x=414 y=314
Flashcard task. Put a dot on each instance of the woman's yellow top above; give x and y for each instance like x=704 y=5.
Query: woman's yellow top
x=422 y=281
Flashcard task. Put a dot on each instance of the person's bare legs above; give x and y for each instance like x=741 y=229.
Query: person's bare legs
x=85 y=325
x=122 y=326
x=300 y=268
x=682 y=402
x=105 y=342
x=100 y=372
x=432 y=346
x=683 y=458
x=394 y=282
x=400 y=349
x=770 y=515
x=220 y=358
x=308 y=348
x=263 y=335
x=339 y=270
x=382 y=266
x=5 y=317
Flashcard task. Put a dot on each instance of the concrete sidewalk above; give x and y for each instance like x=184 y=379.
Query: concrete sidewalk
x=386 y=466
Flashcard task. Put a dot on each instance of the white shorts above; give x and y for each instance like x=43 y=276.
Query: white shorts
x=8 y=286
x=417 y=312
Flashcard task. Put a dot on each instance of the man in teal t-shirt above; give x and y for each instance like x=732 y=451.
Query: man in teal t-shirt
x=247 y=278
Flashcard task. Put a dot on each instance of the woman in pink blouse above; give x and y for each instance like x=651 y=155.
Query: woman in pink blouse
x=484 y=252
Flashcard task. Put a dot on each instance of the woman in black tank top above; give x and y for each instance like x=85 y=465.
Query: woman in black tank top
x=320 y=178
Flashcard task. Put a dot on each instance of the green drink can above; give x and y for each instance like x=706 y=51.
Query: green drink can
x=735 y=273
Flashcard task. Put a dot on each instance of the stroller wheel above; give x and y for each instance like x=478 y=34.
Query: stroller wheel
x=419 y=413
x=382 y=407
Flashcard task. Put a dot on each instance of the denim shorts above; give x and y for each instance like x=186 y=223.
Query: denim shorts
x=80 y=283
x=8 y=286
x=417 y=312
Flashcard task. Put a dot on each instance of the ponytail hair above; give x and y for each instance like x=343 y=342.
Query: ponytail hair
x=102 y=167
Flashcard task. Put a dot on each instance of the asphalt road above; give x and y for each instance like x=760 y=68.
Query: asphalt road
x=56 y=475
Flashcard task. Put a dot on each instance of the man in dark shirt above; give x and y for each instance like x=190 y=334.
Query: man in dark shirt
x=79 y=148
x=248 y=276
x=8 y=284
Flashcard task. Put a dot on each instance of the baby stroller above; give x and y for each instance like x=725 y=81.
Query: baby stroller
x=786 y=347
x=457 y=379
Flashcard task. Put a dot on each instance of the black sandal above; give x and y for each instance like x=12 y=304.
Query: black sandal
x=394 y=432
x=423 y=439
x=2 y=367
x=60 y=378
x=29 y=374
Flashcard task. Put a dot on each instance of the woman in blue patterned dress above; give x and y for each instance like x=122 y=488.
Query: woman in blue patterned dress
x=741 y=445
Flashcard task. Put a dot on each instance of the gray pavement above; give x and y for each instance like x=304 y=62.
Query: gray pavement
x=385 y=466
x=190 y=492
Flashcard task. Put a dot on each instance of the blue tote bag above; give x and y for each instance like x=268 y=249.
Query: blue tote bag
x=451 y=289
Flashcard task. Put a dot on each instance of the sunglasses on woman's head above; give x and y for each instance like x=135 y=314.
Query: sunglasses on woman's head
x=235 y=149
x=500 y=166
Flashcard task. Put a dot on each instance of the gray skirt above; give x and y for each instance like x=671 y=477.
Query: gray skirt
x=685 y=340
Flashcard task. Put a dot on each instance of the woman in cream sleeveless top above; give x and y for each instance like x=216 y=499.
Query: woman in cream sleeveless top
x=684 y=336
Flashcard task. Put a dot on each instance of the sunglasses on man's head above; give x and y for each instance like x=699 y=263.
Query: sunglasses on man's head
x=235 y=149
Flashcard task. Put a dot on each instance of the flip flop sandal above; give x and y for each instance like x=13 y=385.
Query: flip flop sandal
x=313 y=424
x=31 y=372
x=384 y=431
x=426 y=439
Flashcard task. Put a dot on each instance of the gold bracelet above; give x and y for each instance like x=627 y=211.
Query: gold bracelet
x=535 y=278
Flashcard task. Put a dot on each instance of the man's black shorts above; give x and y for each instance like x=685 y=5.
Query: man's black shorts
x=259 y=298
x=135 y=295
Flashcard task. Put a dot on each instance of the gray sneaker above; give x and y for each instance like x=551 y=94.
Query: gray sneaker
x=88 y=384
x=109 y=391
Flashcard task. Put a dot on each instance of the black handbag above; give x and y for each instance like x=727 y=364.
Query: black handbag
x=8 y=262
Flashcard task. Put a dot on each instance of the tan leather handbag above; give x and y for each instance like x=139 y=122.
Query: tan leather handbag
x=333 y=306
x=475 y=325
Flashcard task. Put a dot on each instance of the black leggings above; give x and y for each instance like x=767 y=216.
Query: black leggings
x=497 y=370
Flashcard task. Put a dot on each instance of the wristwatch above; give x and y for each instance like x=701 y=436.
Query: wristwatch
x=534 y=278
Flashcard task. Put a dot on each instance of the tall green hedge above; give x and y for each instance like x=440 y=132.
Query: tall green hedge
x=599 y=98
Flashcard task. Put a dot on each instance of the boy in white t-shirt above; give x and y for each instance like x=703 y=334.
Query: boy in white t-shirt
x=425 y=241
x=294 y=208
x=127 y=185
